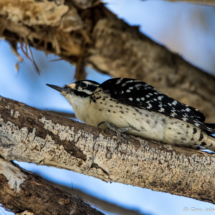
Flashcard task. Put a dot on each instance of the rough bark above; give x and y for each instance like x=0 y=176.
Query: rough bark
x=89 y=33
x=31 y=135
x=22 y=191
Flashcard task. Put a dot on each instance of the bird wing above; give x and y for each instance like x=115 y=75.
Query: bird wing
x=141 y=95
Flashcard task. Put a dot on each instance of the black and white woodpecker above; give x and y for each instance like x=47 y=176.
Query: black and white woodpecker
x=137 y=108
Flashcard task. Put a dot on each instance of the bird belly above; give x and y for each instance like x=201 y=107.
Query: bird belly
x=99 y=114
x=147 y=124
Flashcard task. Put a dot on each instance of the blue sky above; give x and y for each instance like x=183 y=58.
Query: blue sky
x=175 y=25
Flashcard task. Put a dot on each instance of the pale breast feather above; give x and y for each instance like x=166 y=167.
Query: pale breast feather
x=141 y=95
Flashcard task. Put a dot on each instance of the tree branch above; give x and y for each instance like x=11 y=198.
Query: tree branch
x=90 y=31
x=102 y=204
x=21 y=190
x=31 y=135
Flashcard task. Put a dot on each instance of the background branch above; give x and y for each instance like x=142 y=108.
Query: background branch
x=21 y=190
x=107 y=44
x=102 y=204
x=31 y=135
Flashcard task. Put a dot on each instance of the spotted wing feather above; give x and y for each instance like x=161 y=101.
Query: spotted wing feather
x=141 y=95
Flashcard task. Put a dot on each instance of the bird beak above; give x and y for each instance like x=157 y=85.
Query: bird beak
x=60 y=89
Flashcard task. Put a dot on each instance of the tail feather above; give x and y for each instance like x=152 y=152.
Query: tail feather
x=210 y=125
x=211 y=130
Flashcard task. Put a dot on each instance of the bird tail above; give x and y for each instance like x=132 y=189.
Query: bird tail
x=207 y=136
x=210 y=129
x=210 y=125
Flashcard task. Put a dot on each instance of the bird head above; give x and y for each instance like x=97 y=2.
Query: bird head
x=78 y=94
x=83 y=88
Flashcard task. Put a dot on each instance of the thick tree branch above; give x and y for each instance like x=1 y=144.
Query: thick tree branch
x=31 y=135
x=90 y=31
x=21 y=190
x=101 y=204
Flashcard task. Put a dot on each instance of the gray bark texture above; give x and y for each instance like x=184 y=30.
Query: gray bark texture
x=27 y=194
x=87 y=33
x=35 y=136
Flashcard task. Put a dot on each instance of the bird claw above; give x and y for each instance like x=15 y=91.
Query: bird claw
x=119 y=131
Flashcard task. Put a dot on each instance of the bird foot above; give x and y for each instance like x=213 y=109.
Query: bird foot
x=119 y=131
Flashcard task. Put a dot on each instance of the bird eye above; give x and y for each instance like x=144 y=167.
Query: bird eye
x=83 y=85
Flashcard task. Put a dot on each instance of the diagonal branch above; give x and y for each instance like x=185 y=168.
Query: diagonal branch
x=86 y=31
x=21 y=190
x=31 y=135
x=102 y=204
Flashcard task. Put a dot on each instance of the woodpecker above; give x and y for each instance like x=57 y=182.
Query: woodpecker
x=136 y=108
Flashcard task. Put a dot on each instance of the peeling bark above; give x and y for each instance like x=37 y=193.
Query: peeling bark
x=31 y=135
x=86 y=30
x=27 y=194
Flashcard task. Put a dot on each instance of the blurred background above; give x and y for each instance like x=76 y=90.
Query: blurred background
x=183 y=28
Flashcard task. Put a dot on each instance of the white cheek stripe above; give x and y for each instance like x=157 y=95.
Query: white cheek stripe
x=86 y=91
x=90 y=83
